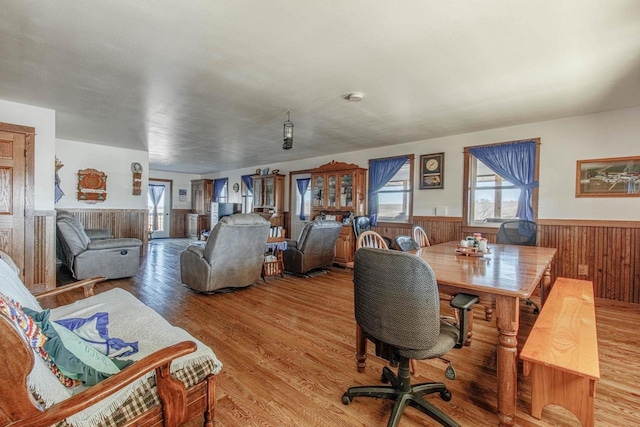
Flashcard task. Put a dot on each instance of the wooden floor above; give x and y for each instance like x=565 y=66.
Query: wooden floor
x=287 y=346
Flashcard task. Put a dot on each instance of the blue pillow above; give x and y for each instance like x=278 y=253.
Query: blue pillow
x=75 y=358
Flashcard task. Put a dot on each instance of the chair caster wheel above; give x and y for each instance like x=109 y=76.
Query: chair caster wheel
x=445 y=395
x=450 y=373
x=346 y=399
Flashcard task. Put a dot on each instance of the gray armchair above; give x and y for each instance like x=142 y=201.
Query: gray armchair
x=93 y=252
x=315 y=248
x=232 y=258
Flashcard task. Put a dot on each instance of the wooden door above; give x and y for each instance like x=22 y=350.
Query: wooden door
x=12 y=196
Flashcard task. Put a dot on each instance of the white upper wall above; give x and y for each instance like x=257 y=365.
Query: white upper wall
x=609 y=134
x=114 y=162
x=44 y=121
x=563 y=142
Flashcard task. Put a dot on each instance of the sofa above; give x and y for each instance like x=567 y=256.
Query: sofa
x=232 y=257
x=162 y=374
x=89 y=253
x=314 y=249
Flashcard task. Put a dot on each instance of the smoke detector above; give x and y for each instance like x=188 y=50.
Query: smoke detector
x=354 y=96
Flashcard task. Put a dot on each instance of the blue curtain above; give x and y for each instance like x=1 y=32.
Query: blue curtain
x=380 y=172
x=516 y=163
x=248 y=182
x=218 y=185
x=303 y=184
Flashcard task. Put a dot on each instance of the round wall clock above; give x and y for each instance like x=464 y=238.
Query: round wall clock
x=136 y=167
x=432 y=165
x=236 y=187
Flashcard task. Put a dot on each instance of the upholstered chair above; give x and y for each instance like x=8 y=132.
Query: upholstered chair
x=232 y=257
x=314 y=249
x=98 y=255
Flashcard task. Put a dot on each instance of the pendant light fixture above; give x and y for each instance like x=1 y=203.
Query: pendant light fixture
x=288 y=134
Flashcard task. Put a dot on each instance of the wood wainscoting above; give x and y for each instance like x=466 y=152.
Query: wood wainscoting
x=44 y=254
x=605 y=252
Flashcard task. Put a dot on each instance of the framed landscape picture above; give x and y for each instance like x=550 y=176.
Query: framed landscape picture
x=431 y=171
x=612 y=177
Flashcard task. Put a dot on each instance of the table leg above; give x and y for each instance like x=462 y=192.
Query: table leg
x=507 y=321
x=545 y=285
x=361 y=349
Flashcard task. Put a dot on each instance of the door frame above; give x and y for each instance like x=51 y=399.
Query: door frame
x=28 y=266
x=170 y=183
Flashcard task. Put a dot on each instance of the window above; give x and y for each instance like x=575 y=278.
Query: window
x=393 y=201
x=490 y=198
x=307 y=203
x=493 y=198
x=247 y=198
x=220 y=190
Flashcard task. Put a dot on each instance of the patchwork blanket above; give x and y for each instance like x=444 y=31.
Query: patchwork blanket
x=133 y=322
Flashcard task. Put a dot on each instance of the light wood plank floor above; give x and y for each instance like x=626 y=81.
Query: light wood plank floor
x=288 y=351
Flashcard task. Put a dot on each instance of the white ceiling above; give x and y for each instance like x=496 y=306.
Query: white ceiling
x=204 y=85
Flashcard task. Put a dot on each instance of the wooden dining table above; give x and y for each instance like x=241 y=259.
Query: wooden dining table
x=500 y=279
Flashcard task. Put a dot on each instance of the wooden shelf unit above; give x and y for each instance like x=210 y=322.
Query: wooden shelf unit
x=339 y=188
x=268 y=196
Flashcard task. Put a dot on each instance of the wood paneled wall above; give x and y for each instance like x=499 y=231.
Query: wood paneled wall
x=121 y=222
x=605 y=252
x=44 y=262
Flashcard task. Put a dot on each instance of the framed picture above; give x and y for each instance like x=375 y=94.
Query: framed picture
x=612 y=177
x=431 y=171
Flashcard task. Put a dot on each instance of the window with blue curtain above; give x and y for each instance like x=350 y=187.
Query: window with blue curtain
x=390 y=189
x=220 y=190
x=502 y=182
x=247 y=193
x=303 y=185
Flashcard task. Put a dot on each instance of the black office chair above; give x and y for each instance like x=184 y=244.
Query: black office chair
x=397 y=306
x=363 y=223
x=406 y=243
x=519 y=232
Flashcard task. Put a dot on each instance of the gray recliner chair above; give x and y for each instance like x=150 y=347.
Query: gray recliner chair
x=93 y=252
x=232 y=258
x=315 y=248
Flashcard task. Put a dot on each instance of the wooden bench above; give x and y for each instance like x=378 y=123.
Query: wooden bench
x=561 y=352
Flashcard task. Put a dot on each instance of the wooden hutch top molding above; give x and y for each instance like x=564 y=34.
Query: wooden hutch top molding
x=335 y=166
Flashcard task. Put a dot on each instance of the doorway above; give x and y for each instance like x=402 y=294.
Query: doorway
x=297 y=224
x=159 y=202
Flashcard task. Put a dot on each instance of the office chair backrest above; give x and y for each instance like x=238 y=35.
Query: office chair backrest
x=420 y=237
x=360 y=224
x=406 y=243
x=518 y=232
x=371 y=239
x=396 y=298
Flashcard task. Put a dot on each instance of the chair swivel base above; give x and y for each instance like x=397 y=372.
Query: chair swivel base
x=403 y=393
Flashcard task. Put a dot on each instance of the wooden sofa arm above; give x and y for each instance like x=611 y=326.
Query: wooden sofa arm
x=169 y=389
x=86 y=284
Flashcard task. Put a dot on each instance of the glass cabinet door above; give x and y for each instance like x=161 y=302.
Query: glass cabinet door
x=318 y=191
x=269 y=195
x=346 y=191
x=257 y=192
x=331 y=190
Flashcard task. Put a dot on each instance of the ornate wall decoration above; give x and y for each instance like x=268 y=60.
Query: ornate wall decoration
x=92 y=186
x=136 y=169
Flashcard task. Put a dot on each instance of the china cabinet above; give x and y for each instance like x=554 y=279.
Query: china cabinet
x=198 y=219
x=268 y=196
x=339 y=189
